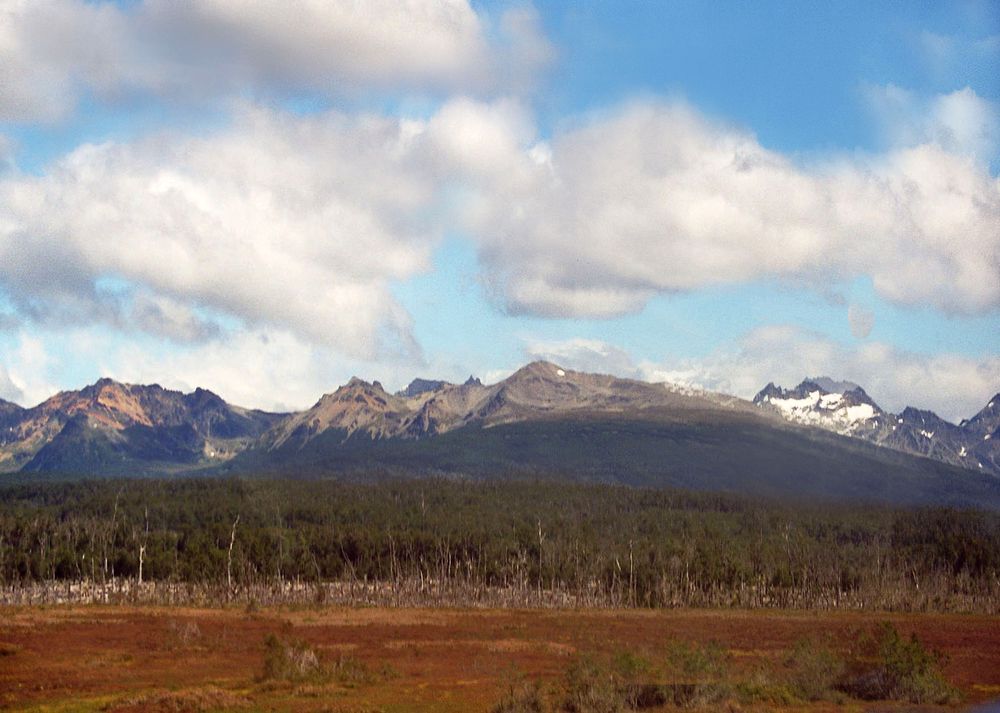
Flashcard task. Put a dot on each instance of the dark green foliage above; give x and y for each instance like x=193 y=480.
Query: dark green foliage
x=707 y=451
x=611 y=544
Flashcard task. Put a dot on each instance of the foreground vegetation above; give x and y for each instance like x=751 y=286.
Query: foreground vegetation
x=322 y=658
x=883 y=665
x=421 y=541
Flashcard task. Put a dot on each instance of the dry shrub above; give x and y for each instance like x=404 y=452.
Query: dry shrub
x=297 y=662
x=290 y=661
x=183 y=634
x=520 y=696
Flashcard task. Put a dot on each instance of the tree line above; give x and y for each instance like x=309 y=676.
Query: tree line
x=592 y=544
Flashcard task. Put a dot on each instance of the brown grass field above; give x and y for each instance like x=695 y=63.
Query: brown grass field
x=120 y=658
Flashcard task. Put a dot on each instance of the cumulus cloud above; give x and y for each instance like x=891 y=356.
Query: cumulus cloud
x=653 y=197
x=334 y=46
x=862 y=320
x=54 y=51
x=277 y=371
x=954 y=386
x=961 y=122
x=304 y=223
x=296 y=222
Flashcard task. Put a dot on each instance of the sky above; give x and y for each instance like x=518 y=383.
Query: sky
x=267 y=198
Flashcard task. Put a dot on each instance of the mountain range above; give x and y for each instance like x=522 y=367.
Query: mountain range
x=847 y=409
x=541 y=421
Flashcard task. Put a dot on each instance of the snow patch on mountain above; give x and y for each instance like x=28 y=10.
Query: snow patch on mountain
x=815 y=407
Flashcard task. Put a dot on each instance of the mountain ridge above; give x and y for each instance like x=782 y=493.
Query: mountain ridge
x=542 y=418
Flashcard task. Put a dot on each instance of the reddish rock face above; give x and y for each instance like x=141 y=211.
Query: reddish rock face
x=113 y=412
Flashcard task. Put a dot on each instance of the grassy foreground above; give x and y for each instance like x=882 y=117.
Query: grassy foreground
x=383 y=659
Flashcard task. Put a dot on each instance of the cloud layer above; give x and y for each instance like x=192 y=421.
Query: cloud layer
x=653 y=197
x=303 y=223
x=53 y=52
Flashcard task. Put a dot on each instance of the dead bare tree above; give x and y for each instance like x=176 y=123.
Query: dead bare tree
x=142 y=544
x=229 y=558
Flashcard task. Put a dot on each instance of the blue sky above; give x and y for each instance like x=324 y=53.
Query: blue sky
x=724 y=194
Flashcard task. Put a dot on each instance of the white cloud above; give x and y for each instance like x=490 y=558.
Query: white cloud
x=954 y=386
x=276 y=370
x=49 y=49
x=6 y=154
x=653 y=197
x=961 y=122
x=299 y=223
x=54 y=51
x=9 y=391
x=24 y=372
x=343 y=45
x=862 y=320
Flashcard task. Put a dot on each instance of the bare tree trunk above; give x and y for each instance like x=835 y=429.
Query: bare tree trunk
x=142 y=546
x=229 y=559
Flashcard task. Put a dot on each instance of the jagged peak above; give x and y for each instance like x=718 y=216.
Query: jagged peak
x=911 y=414
x=833 y=386
x=422 y=386
x=103 y=383
x=472 y=381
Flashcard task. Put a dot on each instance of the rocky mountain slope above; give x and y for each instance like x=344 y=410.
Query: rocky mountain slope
x=109 y=427
x=972 y=444
x=426 y=408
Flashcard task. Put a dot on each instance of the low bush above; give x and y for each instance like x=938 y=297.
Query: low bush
x=700 y=673
x=592 y=687
x=814 y=670
x=886 y=665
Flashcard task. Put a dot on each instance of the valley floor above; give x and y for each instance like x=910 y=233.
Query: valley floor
x=120 y=658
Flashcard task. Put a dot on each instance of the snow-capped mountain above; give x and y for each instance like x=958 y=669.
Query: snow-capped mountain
x=809 y=403
x=845 y=408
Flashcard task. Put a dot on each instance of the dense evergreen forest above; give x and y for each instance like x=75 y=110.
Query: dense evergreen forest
x=530 y=543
